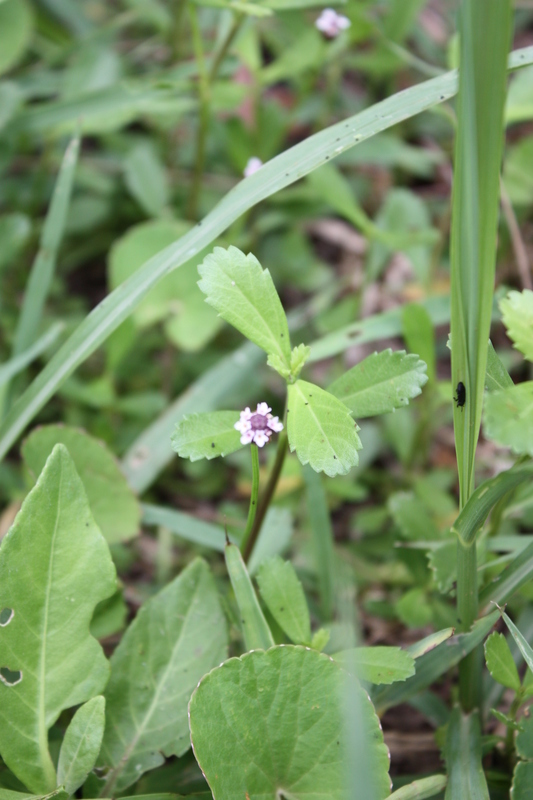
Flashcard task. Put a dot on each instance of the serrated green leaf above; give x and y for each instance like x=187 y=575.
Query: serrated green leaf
x=517 y=316
x=176 y=637
x=500 y=662
x=381 y=383
x=207 y=435
x=509 y=417
x=321 y=430
x=115 y=507
x=55 y=567
x=244 y=295
x=524 y=740
x=255 y=629
x=377 y=665
x=522 y=781
x=284 y=596
x=81 y=744
x=284 y=706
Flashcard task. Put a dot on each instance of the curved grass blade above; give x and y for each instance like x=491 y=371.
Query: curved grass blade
x=16 y=364
x=273 y=176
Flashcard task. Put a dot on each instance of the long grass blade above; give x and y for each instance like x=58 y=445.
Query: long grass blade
x=275 y=175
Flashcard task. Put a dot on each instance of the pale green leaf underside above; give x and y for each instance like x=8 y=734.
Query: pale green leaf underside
x=244 y=295
x=381 y=383
x=176 y=637
x=270 y=724
x=55 y=567
x=378 y=665
x=284 y=596
x=81 y=744
x=509 y=417
x=517 y=315
x=207 y=435
x=500 y=662
x=321 y=430
x=115 y=507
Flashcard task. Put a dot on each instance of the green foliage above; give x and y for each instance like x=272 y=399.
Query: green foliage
x=55 y=548
x=81 y=744
x=380 y=383
x=16 y=23
x=255 y=630
x=523 y=645
x=500 y=661
x=207 y=435
x=378 y=665
x=463 y=758
x=146 y=179
x=508 y=419
x=321 y=430
x=244 y=295
x=113 y=504
x=284 y=597
x=285 y=706
x=517 y=315
x=177 y=636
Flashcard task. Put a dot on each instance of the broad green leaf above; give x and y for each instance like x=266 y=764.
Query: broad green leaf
x=16 y=22
x=522 y=781
x=55 y=567
x=109 y=616
x=321 y=430
x=115 y=507
x=497 y=376
x=509 y=417
x=524 y=647
x=81 y=744
x=381 y=383
x=517 y=316
x=414 y=609
x=517 y=175
x=255 y=630
x=146 y=179
x=500 y=661
x=377 y=665
x=284 y=596
x=244 y=295
x=524 y=740
x=421 y=789
x=412 y=517
x=519 y=104
x=176 y=637
x=466 y=778
x=284 y=706
x=207 y=435
x=281 y=171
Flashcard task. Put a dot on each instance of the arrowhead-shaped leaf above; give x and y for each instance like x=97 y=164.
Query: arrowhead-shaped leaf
x=244 y=295
x=321 y=430
x=115 y=507
x=381 y=383
x=207 y=435
x=271 y=725
x=177 y=636
x=55 y=567
x=517 y=315
x=81 y=744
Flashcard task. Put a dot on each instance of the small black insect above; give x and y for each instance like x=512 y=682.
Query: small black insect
x=460 y=398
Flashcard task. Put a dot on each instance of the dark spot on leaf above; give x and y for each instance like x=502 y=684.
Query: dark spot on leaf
x=10 y=676
x=306 y=403
x=212 y=444
x=334 y=456
x=282 y=608
x=6 y=615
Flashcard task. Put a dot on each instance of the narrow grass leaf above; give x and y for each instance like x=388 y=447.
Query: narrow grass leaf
x=177 y=636
x=256 y=633
x=15 y=365
x=323 y=539
x=185 y=526
x=55 y=548
x=381 y=383
x=284 y=597
x=421 y=789
x=463 y=758
x=524 y=647
x=206 y=435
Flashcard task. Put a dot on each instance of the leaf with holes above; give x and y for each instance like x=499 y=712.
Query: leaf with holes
x=271 y=724
x=381 y=383
x=206 y=435
x=55 y=567
x=177 y=636
x=321 y=430
x=244 y=295
x=517 y=315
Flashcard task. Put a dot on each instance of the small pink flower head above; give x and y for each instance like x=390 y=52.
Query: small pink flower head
x=252 y=166
x=258 y=426
x=331 y=24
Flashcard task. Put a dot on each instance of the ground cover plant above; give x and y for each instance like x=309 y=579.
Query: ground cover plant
x=265 y=399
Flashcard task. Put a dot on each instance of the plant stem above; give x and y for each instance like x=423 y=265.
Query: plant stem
x=268 y=495
x=253 y=497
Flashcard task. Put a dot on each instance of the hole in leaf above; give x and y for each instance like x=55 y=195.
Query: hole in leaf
x=9 y=676
x=6 y=615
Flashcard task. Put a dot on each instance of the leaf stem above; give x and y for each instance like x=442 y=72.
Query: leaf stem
x=253 y=497
x=268 y=495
